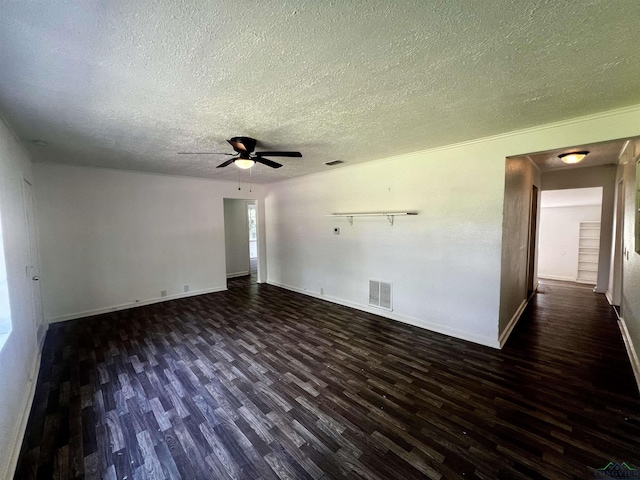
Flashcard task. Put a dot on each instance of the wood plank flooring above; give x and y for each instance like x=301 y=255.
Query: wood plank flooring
x=259 y=382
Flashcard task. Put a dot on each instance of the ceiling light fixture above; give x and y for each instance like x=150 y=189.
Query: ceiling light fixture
x=573 y=157
x=244 y=163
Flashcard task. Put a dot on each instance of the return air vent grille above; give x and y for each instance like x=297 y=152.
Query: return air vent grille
x=380 y=294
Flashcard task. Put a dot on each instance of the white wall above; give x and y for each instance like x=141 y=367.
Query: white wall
x=445 y=263
x=18 y=349
x=110 y=237
x=631 y=259
x=558 y=241
x=605 y=177
x=236 y=237
x=520 y=177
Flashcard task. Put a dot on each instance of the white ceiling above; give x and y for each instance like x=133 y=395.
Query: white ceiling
x=572 y=197
x=129 y=84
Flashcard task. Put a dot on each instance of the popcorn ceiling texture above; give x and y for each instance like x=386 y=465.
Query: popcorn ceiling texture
x=129 y=84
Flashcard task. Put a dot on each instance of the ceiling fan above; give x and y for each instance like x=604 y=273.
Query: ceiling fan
x=244 y=147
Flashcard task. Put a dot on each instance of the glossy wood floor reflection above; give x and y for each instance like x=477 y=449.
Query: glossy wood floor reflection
x=245 y=280
x=259 y=382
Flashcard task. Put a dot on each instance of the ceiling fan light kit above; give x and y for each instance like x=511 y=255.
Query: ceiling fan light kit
x=244 y=163
x=244 y=147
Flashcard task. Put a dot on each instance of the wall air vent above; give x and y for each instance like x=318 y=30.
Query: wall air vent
x=334 y=162
x=380 y=294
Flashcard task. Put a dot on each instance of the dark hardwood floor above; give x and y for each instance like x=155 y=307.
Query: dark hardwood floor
x=259 y=382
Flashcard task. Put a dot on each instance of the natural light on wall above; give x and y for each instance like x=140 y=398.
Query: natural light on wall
x=5 y=309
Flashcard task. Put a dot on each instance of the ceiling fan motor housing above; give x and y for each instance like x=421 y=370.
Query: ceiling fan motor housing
x=243 y=144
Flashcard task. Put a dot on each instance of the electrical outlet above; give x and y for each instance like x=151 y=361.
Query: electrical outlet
x=163 y=293
x=336 y=230
x=322 y=291
x=186 y=288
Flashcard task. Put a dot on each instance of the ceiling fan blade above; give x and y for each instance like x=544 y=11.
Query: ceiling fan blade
x=266 y=161
x=228 y=162
x=279 y=154
x=205 y=153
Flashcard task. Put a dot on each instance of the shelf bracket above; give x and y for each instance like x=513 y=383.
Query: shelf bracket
x=390 y=216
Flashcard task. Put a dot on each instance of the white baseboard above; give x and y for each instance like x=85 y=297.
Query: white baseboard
x=427 y=325
x=238 y=274
x=607 y=295
x=504 y=336
x=125 y=306
x=18 y=436
x=631 y=351
x=556 y=277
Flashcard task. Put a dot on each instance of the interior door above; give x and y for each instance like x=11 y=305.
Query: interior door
x=33 y=268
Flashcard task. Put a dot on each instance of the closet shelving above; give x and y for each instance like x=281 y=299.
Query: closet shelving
x=588 y=252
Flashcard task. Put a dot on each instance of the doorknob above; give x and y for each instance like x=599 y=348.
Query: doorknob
x=36 y=278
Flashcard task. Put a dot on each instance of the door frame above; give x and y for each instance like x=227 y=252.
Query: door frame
x=618 y=246
x=533 y=237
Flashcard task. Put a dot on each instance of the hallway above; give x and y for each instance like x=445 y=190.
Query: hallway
x=264 y=383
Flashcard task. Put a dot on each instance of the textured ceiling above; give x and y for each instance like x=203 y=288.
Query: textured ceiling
x=129 y=84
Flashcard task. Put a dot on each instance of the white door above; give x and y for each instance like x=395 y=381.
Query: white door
x=33 y=269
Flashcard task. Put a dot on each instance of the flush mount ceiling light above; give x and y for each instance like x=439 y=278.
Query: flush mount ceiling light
x=573 y=157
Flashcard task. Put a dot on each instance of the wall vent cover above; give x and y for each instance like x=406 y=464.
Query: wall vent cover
x=380 y=294
x=334 y=162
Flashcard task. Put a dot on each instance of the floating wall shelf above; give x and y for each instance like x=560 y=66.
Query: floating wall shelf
x=390 y=216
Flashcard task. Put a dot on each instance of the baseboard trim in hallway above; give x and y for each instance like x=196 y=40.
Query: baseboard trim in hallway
x=504 y=336
x=631 y=351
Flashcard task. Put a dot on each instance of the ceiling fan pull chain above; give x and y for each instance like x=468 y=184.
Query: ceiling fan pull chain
x=250 y=179
x=238 y=171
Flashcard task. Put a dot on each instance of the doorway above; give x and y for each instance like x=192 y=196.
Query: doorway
x=241 y=242
x=252 y=217
x=569 y=239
